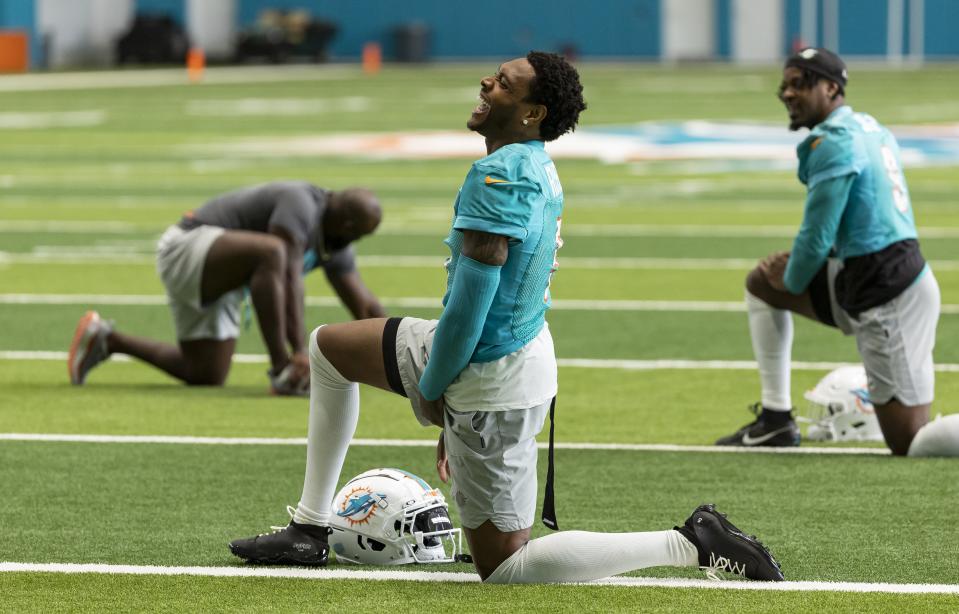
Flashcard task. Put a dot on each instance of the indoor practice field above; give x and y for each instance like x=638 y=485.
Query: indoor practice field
x=121 y=495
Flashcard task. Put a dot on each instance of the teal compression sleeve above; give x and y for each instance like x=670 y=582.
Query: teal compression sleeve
x=825 y=204
x=460 y=326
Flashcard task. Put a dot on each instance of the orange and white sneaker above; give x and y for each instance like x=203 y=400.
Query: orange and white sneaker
x=89 y=346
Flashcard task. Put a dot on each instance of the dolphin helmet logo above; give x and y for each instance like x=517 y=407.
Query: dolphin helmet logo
x=361 y=505
x=863 y=402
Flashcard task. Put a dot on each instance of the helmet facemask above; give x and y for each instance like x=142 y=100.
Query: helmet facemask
x=839 y=409
x=425 y=531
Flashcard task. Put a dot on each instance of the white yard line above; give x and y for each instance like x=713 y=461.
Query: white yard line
x=412 y=302
x=423 y=443
x=681 y=364
x=85 y=227
x=708 y=230
x=406 y=302
x=272 y=107
x=33 y=120
x=573 y=363
x=460 y=577
x=86 y=257
x=124 y=79
x=83 y=299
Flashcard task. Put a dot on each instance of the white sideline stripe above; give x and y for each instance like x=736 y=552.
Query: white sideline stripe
x=581 y=363
x=423 y=443
x=412 y=301
x=460 y=577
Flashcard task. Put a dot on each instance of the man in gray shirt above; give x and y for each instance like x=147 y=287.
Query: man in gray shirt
x=260 y=240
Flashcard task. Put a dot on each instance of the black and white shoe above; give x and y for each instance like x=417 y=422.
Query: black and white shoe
x=294 y=544
x=770 y=428
x=725 y=549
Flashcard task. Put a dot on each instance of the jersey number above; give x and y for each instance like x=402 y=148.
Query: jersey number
x=559 y=244
x=894 y=172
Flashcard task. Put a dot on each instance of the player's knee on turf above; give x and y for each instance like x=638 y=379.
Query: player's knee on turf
x=486 y=565
x=900 y=423
x=490 y=547
x=899 y=443
x=205 y=375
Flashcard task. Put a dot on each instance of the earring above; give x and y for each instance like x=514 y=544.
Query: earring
x=525 y=122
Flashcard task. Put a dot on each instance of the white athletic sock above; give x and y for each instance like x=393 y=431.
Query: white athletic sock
x=579 y=556
x=771 y=331
x=334 y=411
x=940 y=437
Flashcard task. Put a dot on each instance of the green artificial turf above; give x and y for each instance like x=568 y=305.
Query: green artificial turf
x=172 y=504
x=98 y=593
x=109 y=190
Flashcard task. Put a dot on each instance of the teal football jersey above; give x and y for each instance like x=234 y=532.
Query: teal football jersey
x=514 y=192
x=858 y=202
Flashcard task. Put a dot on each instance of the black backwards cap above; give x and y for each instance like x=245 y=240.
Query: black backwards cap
x=821 y=61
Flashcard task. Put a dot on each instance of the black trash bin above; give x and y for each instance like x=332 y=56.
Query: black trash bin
x=152 y=39
x=412 y=42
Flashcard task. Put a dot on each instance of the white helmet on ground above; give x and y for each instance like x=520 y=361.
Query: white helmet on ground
x=392 y=517
x=839 y=408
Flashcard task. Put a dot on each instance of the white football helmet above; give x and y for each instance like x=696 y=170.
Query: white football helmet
x=392 y=517
x=839 y=408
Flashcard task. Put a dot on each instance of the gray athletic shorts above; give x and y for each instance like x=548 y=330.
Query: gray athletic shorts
x=492 y=454
x=895 y=339
x=180 y=257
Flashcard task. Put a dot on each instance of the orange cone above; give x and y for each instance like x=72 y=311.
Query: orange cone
x=195 y=64
x=372 y=58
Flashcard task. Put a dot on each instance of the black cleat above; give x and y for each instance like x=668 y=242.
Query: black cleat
x=724 y=548
x=764 y=432
x=294 y=544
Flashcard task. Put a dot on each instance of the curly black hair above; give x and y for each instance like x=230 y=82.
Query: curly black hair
x=557 y=87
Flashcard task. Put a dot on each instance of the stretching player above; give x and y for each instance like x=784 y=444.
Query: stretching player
x=854 y=265
x=486 y=372
x=260 y=240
